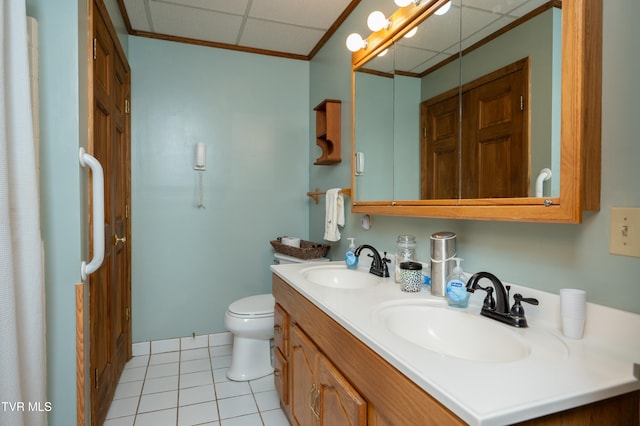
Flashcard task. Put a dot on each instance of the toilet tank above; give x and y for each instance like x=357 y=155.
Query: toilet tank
x=281 y=259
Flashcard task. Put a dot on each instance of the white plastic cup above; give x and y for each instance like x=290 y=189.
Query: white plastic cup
x=573 y=311
x=572 y=328
x=573 y=303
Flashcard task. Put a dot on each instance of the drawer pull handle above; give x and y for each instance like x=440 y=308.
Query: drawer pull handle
x=313 y=401
x=277 y=329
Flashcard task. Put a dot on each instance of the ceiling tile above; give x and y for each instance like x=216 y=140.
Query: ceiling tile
x=235 y=7
x=137 y=14
x=274 y=36
x=171 y=19
x=320 y=14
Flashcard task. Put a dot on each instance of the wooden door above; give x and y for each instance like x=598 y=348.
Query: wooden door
x=490 y=157
x=495 y=149
x=110 y=286
x=439 y=148
x=304 y=390
x=339 y=403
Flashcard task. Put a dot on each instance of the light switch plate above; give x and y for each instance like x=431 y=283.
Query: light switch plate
x=624 y=234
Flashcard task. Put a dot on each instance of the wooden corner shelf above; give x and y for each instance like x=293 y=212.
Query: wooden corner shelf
x=328 y=131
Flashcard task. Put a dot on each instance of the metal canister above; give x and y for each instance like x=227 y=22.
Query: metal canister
x=443 y=248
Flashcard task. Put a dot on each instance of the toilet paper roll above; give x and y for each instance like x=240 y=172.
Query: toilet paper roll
x=291 y=241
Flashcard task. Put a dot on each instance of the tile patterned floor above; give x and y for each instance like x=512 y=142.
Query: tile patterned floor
x=189 y=387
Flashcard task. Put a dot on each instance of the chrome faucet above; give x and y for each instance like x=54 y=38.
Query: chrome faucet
x=498 y=308
x=378 y=265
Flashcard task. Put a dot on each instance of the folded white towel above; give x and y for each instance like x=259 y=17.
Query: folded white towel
x=334 y=214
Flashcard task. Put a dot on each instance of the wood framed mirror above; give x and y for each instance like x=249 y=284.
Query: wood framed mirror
x=579 y=134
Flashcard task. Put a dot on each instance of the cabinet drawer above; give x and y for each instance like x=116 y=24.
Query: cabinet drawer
x=281 y=329
x=281 y=376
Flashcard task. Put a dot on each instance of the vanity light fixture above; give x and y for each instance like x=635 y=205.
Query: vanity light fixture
x=403 y=3
x=411 y=33
x=444 y=8
x=355 y=42
x=377 y=21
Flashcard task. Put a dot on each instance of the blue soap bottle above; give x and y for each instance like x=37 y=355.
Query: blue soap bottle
x=350 y=258
x=456 y=289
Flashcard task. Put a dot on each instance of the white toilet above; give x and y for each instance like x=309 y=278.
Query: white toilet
x=250 y=319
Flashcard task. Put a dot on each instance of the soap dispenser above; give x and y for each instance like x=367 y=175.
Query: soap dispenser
x=350 y=258
x=456 y=290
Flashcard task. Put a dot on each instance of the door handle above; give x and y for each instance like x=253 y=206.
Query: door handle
x=314 y=394
x=119 y=239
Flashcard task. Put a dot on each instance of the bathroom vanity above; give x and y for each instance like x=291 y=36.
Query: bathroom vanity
x=337 y=363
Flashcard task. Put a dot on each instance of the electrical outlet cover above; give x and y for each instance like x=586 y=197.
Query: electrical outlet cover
x=624 y=234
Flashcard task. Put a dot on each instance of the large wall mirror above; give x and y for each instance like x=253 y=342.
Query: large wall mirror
x=462 y=116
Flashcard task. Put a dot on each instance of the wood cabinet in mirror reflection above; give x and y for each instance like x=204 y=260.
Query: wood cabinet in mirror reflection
x=490 y=156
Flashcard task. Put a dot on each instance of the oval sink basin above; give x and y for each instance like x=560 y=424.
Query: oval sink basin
x=338 y=276
x=453 y=333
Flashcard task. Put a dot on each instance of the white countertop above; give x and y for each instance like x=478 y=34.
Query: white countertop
x=557 y=374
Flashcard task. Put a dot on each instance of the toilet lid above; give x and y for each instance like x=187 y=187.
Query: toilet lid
x=253 y=305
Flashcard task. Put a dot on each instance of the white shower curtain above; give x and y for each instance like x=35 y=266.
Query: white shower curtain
x=22 y=317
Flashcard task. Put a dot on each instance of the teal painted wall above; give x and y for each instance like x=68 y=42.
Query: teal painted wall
x=62 y=130
x=189 y=264
x=542 y=256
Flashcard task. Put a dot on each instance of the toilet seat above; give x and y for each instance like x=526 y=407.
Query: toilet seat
x=258 y=306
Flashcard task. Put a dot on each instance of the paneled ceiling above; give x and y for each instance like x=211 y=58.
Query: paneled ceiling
x=299 y=28
x=295 y=28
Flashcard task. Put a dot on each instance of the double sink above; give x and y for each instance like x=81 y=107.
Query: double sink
x=432 y=325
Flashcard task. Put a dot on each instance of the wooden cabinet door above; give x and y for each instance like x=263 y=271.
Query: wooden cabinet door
x=339 y=403
x=281 y=321
x=304 y=391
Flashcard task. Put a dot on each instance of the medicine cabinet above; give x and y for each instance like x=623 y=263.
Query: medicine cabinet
x=397 y=104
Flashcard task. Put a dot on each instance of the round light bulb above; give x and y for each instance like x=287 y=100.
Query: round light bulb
x=355 y=42
x=403 y=3
x=411 y=33
x=377 y=21
x=444 y=9
x=384 y=52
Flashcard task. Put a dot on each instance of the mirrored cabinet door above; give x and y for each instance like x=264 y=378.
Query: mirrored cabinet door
x=474 y=119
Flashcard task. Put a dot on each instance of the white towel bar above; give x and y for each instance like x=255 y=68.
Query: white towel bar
x=545 y=174
x=98 y=213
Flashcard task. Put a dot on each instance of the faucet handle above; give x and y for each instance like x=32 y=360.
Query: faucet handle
x=517 y=310
x=385 y=268
x=530 y=300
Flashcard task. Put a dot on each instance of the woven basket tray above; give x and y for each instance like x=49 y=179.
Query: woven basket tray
x=307 y=249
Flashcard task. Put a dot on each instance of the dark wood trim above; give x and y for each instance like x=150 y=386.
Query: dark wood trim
x=327 y=35
x=226 y=46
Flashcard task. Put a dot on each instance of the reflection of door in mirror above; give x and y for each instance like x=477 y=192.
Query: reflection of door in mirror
x=494 y=147
x=532 y=32
x=439 y=148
